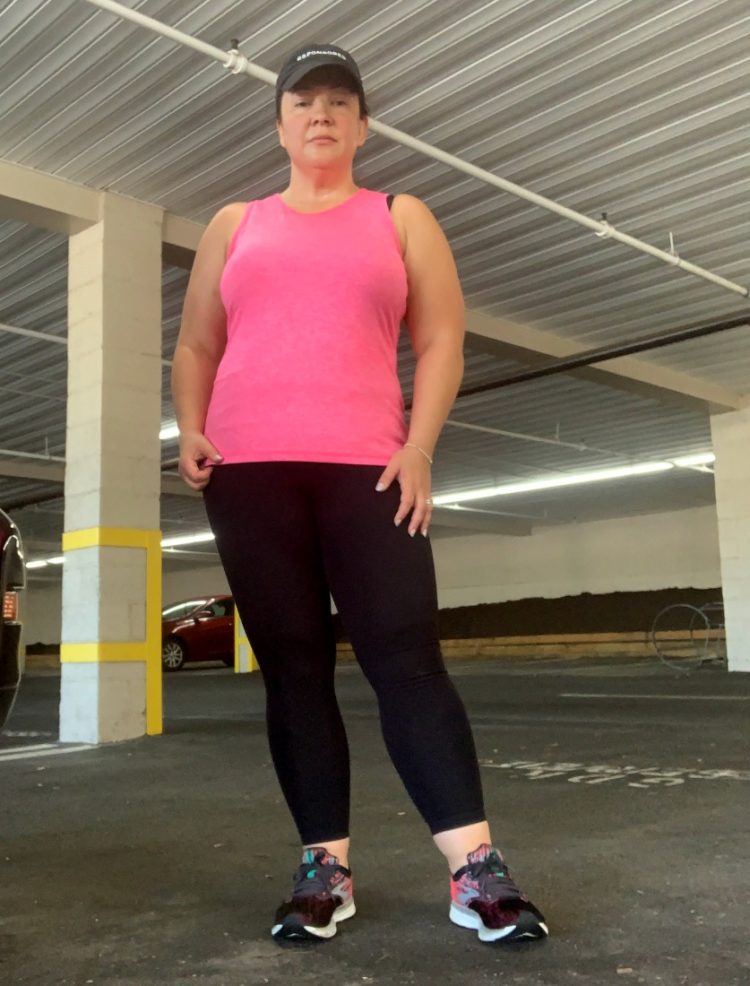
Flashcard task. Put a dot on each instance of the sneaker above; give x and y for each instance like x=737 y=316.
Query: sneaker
x=321 y=897
x=484 y=898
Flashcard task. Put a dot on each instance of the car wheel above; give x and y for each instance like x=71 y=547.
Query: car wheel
x=172 y=654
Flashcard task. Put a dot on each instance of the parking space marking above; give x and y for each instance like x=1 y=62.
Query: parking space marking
x=637 y=777
x=42 y=750
x=679 y=698
x=28 y=733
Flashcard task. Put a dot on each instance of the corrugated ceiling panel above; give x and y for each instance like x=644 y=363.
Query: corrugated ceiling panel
x=637 y=110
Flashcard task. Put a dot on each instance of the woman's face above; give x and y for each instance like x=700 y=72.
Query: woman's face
x=321 y=126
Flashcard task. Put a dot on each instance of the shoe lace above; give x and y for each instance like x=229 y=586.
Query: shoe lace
x=494 y=879
x=311 y=879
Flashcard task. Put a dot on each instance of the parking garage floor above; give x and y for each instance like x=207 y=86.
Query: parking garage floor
x=619 y=792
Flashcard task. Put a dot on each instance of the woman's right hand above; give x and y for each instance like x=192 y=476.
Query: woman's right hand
x=197 y=459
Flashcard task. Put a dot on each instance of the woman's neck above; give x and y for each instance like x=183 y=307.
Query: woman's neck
x=311 y=192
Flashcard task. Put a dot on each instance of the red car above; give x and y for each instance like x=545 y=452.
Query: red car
x=200 y=629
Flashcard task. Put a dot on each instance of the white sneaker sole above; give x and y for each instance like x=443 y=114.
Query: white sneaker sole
x=466 y=918
x=306 y=932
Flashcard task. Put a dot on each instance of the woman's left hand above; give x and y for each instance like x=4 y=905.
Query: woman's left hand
x=414 y=475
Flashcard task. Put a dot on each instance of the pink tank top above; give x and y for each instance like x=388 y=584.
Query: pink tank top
x=314 y=304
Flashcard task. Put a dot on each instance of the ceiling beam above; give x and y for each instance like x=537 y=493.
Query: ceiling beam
x=65 y=207
x=60 y=206
x=468 y=521
x=180 y=238
x=43 y=200
x=509 y=340
x=49 y=472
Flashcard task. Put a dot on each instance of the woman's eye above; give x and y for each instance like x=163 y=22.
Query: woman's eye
x=306 y=102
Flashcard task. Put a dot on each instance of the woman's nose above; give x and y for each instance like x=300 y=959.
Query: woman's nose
x=321 y=107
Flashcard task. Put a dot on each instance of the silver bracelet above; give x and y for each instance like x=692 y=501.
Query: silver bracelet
x=412 y=445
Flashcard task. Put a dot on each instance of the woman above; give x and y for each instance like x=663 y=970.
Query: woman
x=292 y=423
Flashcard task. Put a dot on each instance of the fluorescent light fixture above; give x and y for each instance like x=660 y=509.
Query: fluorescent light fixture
x=453 y=500
x=701 y=459
x=169 y=431
x=176 y=542
x=166 y=543
x=554 y=482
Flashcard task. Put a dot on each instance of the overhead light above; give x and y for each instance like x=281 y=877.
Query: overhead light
x=553 y=482
x=169 y=431
x=176 y=542
x=701 y=459
x=453 y=500
x=166 y=543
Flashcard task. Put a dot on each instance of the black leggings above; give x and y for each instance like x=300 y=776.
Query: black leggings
x=287 y=533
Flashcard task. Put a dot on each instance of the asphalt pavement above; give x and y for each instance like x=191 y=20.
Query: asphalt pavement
x=619 y=792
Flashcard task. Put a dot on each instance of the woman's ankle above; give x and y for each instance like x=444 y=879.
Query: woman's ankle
x=334 y=847
x=456 y=844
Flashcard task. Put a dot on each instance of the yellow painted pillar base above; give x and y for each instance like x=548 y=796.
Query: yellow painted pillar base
x=244 y=658
x=148 y=650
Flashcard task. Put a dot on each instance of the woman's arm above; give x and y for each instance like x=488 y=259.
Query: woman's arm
x=200 y=346
x=436 y=323
x=435 y=320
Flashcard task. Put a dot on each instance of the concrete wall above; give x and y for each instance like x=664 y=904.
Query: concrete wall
x=41 y=612
x=186 y=583
x=656 y=551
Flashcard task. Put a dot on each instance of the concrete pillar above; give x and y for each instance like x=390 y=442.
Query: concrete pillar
x=244 y=657
x=111 y=577
x=731 y=440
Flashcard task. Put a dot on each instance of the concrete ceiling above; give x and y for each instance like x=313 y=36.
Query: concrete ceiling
x=634 y=109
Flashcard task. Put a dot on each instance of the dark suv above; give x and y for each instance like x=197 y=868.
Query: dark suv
x=12 y=580
x=198 y=629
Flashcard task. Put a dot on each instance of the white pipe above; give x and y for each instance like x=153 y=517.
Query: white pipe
x=238 y=63
x=48 y=337
x=602 y=228
x=232 y=60
x=31 y=455
x=33 y=334
x=521 y=436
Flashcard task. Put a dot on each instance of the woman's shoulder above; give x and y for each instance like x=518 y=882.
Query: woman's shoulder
x=410 y=205
x=233 y=210
x=227 y=220
x=411 y=217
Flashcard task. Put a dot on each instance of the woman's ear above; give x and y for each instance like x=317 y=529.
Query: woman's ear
x=280 y=133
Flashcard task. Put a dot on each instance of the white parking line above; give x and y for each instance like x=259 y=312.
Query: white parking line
x=43 y=750
x=24 y=733
x=641 y=777
x=680 y=698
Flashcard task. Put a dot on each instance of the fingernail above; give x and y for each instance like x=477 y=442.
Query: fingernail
x=217 y=458
x=397 y=522
x=412 y=533
x=380 y=487
x=424 y=534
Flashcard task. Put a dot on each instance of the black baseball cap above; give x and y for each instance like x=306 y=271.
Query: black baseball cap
x=312 y=56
